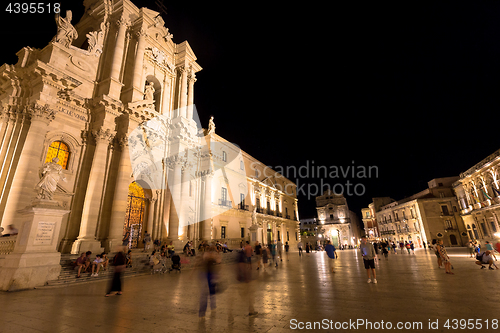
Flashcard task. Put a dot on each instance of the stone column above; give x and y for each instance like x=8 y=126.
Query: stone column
x=175 y=203
x=183 y=92
x=190 y=97
x=13 y=132
x=116 y=64
x=120 y=197
x=166 y=93
x=139 y=63
x=206 y=232
x=151 y=214
x=183 y=217
x=93 y=197
x=26 y=177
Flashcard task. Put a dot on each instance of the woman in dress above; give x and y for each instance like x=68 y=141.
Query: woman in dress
x=444 y=257
x=307 y=247
x=434 y=247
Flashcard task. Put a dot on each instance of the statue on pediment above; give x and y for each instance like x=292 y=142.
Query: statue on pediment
x=211 y=126
x=52 y=173
x=254 y=215
x=66 y=32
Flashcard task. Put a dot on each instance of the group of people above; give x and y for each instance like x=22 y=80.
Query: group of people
x=84 y=262
x=266 y=253
x=486 y=257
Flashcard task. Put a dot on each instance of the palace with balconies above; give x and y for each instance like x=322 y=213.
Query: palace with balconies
x=263 y=208
x=429 y=214
x=478 y=193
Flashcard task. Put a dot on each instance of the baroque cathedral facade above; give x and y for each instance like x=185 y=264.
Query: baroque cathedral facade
x=112 y=98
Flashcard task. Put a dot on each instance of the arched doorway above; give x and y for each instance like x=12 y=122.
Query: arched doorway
x=453 y=240
x=134 y=215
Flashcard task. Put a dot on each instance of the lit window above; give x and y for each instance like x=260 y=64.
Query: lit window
x=60 y=150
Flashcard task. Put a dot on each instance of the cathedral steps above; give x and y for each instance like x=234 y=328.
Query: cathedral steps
x=67 y=276
x=141 y=266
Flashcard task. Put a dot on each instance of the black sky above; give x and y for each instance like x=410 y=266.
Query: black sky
x=409 y=87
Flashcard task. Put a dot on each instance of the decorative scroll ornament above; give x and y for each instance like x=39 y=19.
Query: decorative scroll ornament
x=96 y=40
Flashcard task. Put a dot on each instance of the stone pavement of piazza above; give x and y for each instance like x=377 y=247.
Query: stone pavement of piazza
x=411 y=288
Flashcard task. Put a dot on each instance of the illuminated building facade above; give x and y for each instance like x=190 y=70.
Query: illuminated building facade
x=340 y=225
x=478 y=193
x=430 y=214
x=112 y=97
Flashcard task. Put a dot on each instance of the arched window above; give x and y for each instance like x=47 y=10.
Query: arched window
x=60 y=150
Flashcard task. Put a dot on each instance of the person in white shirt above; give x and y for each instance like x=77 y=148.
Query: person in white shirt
x=299 y=246
x=96 y=263
x=486 y=259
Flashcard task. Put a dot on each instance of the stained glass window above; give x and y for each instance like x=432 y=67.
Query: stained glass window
x=60 y=150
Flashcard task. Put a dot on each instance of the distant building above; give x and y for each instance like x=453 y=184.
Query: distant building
x=309 y=225
x=369 y=218
x=478 y=194
x=340 y=225
x=430 y=214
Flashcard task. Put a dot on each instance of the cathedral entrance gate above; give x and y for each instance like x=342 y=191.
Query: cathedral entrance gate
x=134 y=215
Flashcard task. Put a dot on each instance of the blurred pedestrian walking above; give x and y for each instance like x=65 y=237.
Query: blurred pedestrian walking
x=208 y=280
x=119 y=266
x=244 y=275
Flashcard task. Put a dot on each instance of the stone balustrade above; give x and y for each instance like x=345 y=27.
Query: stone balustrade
x=7 y=244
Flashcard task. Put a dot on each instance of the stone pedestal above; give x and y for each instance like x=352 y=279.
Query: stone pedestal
x=35 y=259
x=253 y=232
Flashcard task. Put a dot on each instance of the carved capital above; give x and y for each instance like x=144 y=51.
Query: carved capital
x=205 y=174
x=102 y=135
x=141 y=33
x=174 y=161
x=192 y=78
x=186 y=167
x=40 y=113
x=122 y=23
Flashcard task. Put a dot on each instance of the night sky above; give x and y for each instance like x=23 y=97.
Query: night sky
x=408 y=87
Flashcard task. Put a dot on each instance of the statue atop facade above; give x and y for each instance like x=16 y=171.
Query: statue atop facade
x=149 y=91
x=66 y=32
x=211 y=126
x=254 y=215
x=51 y=174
